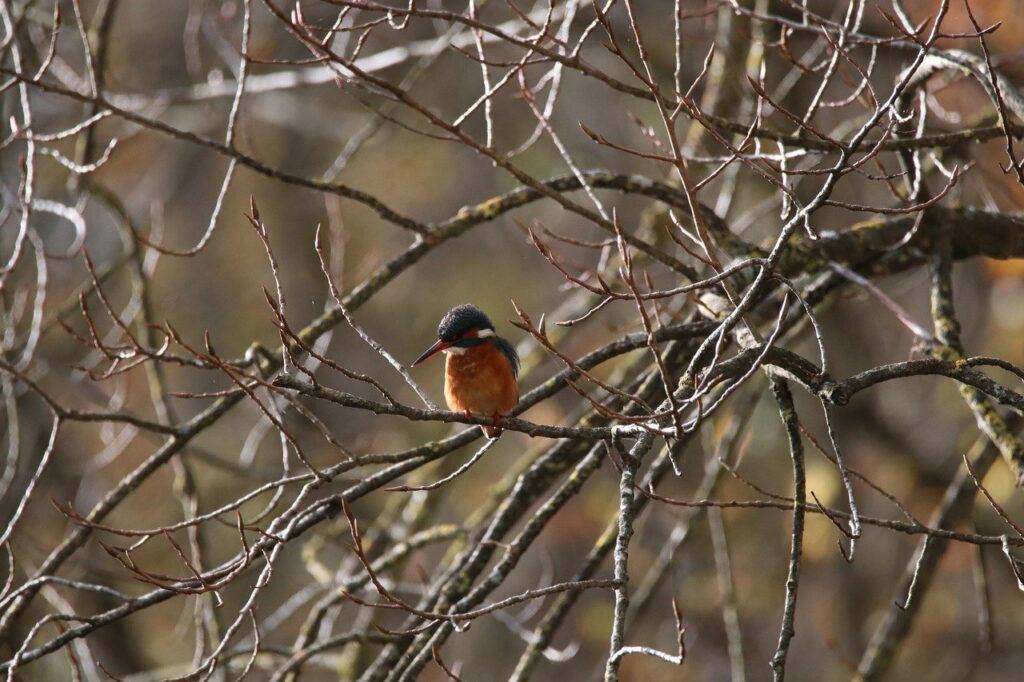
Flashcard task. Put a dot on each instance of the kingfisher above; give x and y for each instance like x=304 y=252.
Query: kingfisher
x=481 y=368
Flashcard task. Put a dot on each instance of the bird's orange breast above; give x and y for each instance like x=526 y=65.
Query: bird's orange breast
x=480 y=380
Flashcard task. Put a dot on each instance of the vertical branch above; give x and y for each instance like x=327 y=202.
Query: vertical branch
x=95 y=48
x=727 y=592
x=983 y=596
x=787 y=411
x=947 y=331
x=630 y=463
x=28 y=172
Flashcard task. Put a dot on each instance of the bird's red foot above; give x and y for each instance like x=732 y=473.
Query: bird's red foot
x=495 y=430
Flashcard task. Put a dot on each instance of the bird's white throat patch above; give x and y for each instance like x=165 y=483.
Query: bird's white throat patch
x=455 y=350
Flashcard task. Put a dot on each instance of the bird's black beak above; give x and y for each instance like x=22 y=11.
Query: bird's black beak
x=432 y=351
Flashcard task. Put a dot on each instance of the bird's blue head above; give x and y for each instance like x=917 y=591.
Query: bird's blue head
x=465 y=326
x=458 y=321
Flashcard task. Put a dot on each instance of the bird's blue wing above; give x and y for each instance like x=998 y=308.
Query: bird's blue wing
x=510 y=352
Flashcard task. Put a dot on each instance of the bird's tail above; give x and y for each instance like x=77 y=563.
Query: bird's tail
x=492 y=431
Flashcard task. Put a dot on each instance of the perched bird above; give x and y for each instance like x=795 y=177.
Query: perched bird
x=481 y=368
